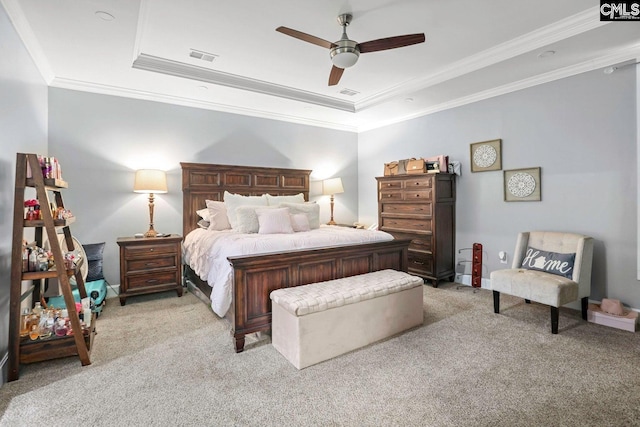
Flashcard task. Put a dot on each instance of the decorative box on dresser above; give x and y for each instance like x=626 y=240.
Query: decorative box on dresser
x=422 y=208
x=149 y=265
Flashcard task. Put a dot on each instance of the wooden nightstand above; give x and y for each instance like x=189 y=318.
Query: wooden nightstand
x=149 y=265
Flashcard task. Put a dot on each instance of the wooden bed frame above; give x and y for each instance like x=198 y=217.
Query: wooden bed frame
x=255 y=276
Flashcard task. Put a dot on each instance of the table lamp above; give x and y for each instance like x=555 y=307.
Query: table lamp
x=150 y=181
x=332 y=186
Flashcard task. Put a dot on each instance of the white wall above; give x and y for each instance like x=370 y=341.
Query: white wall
x=101 y=140
x=23 y=128
x=581 y=131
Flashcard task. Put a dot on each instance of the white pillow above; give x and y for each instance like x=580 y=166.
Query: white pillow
x=233 y=201
x=248 y=218
x=217 y=216
x=312 y=210
x=276 y=200
x=203 y=224
x=299 y=222
x=204 y=214
x=274 y=221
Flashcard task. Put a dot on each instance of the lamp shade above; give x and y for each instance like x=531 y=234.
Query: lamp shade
x=150 y=181
x=332 y=186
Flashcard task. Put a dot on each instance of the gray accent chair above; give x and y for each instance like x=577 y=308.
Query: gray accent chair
x=542 y=287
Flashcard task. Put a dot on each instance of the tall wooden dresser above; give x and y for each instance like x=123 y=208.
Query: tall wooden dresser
x=422 y=208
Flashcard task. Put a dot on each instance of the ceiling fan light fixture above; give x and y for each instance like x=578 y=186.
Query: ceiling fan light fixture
x=345 y=54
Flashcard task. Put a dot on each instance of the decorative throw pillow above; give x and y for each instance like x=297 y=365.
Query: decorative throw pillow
x=204 y=224
x=549 y=262
x=299 y=222
x=217 y=216
x=274 y=221
x=204 y=213
x=233 y=201
x=276 y=200
x=94 y=252
x=312 y=210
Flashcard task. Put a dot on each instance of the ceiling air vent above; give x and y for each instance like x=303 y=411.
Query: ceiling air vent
x=198 y=54
x=349 y=92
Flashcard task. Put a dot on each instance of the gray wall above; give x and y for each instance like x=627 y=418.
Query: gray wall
x=101 y=140
x=23 y=128
x=581 y=131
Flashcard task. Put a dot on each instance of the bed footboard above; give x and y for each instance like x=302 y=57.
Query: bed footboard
x=256 y=276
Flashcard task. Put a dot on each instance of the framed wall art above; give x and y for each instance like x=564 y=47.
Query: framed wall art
x=486 y=156
x=522 y=185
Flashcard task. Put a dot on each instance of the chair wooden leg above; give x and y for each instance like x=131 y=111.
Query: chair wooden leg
x=585 y=307
x=555 y=314
x=496 y=302
x=528 y=301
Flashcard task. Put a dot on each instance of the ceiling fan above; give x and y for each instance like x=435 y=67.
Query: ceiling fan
x=345 y=52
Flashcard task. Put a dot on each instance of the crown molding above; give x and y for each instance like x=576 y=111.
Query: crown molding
x=84 y=86
x=188 y=71
x=565 y=28
x=25 y=32
x=613 y=57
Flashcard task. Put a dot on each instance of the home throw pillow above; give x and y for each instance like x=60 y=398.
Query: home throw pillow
x=549 y=262
x=274 y=221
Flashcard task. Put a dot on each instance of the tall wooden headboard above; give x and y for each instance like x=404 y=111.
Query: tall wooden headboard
x=203 y=181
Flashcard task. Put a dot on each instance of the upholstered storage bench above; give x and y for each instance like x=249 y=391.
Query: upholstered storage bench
x=316 y=322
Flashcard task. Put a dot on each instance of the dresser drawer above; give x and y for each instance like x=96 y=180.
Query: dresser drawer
x=391 y=195
x=419 y=182
x=420 y=263
x=413 y=225
x=137 y=281
x=150 y=263
x=390 y=185
x=418 y=194
x=425 y=208
x=146 y=251
x=422 y=244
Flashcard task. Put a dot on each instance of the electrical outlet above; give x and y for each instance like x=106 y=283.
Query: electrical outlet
x=502 y=256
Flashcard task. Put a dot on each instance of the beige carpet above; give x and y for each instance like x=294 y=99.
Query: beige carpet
x=166 y=361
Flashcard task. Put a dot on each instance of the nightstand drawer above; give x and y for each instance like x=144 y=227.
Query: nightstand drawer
x=146 y=264
x=149 y=265
x=390 y=185
x=390 y=195
x=419 y=194
x=145 y=251
x=137 y=281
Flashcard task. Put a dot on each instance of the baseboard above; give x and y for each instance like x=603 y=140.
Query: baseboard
x=4 y=370
x=465 y=279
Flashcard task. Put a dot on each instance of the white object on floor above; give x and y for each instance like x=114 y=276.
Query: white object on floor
x=316 y=322
x=626 y=322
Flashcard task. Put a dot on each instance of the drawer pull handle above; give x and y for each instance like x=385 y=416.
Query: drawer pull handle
x=152 y=281
x=417 y=195
x=149 y=264
x=418 y=262
x=151 y=250
x=389 y=195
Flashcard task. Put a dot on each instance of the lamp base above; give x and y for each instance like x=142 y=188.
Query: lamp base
x=332 y=222
x=151 y=233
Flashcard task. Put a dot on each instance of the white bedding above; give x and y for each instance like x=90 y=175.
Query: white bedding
x=206 y=252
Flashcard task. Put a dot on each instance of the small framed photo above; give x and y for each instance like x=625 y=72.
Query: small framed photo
x=522 y=185
x=486 y=156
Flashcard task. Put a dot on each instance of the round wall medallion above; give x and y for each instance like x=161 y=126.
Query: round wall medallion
x=485 y=156
x=521 y=184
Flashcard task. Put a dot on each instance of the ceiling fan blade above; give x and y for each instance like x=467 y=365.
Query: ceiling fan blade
x=334 y=76
x=391 y=42
x=304 y=37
